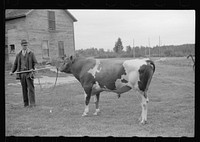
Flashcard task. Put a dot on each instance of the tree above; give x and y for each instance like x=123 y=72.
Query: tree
x=168 y=53
x=118 y=46
x=128 y=49
x=101 y=50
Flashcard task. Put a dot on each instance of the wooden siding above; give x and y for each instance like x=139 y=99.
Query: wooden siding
x=34 y=28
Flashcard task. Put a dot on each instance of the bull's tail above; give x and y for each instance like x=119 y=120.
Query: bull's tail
x=146 y=76
x=150 y=74
x=152 y=63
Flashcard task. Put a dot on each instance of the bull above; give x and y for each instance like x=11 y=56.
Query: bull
x=118 y=76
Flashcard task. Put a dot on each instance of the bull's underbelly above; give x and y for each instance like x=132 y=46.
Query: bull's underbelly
x=121 y=86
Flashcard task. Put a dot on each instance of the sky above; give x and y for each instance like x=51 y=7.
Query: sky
x=101 y=28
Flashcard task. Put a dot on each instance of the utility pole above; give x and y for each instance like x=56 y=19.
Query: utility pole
x=133 y=49
x=149 y=46
x=159 y=46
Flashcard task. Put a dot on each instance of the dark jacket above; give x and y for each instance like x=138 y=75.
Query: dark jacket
x=30 y=63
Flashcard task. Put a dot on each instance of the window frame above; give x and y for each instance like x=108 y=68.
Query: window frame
x=45 y=49
x=51 y=20
x=61 y=49
x=12 y=49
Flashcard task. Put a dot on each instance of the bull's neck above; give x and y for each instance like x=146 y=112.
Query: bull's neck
x=76 y=68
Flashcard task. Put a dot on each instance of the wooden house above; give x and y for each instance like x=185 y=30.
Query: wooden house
x=50 y=33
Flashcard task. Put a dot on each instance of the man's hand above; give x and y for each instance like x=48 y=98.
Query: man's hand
x=11 y=73
x=33 y=70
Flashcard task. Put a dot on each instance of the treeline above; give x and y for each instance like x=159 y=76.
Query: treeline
x=162 y=51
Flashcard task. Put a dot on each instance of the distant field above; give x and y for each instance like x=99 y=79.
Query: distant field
x=170 y=110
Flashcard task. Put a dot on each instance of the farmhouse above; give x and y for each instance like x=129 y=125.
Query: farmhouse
x=50 y=33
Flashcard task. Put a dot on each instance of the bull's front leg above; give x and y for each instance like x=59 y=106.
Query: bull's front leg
x=97 y=103
x=144 y=104
x=87 y=100
x=86 y=106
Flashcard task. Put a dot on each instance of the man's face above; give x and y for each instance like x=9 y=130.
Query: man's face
x=24 y=46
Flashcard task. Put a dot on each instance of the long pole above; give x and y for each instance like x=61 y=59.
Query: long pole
x=31 y=70
x=149 y=46
x=159 y=46
x=133 y=49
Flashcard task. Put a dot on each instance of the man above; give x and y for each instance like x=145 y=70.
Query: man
x=25 y=60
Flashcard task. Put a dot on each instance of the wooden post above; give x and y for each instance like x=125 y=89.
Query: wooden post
x=159 y=46
x=133 y=49
x=149 y=46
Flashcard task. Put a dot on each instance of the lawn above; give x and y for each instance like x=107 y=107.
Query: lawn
x=171 y=107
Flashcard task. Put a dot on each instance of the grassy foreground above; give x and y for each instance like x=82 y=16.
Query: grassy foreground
x=170 y=110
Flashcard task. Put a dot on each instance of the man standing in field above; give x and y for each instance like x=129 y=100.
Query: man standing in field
x=25 y=60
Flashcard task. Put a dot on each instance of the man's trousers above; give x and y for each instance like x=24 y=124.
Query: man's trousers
x=28 y=89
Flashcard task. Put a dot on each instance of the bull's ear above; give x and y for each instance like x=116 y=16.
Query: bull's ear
x=72 y=58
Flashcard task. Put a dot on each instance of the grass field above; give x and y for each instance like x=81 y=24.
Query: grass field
x=170 y=109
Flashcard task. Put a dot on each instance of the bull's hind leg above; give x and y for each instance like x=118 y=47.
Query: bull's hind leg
x=87 y=100
x=145 y=99
x=144 y=104
x=97 y=103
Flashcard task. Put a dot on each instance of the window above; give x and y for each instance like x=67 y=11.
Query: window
x=45 y=49
x=61 y=51
x=51 y=20
x=12 y=48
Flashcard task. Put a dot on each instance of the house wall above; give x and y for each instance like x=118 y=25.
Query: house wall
x=34 y=28
x=64 y=26
x=37 y=26
x=15 y=33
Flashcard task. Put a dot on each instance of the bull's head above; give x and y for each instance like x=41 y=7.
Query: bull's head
x=67 y=63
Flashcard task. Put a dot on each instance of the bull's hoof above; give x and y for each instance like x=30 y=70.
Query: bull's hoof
x=96 y=112
x=84 y=114
x=119 y=96
x=143 y=122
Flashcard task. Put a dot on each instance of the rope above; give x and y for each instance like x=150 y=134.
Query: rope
x=39 y=83
x=51 y=90
x=31 y=70
x=56 y=79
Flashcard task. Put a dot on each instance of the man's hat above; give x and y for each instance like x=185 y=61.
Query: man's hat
x=24 y=41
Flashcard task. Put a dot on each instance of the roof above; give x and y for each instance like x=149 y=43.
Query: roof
x=19 y=13
x=73 y=18
x=16 y=13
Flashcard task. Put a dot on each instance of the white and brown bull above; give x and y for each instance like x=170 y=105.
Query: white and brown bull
x=117 y=76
